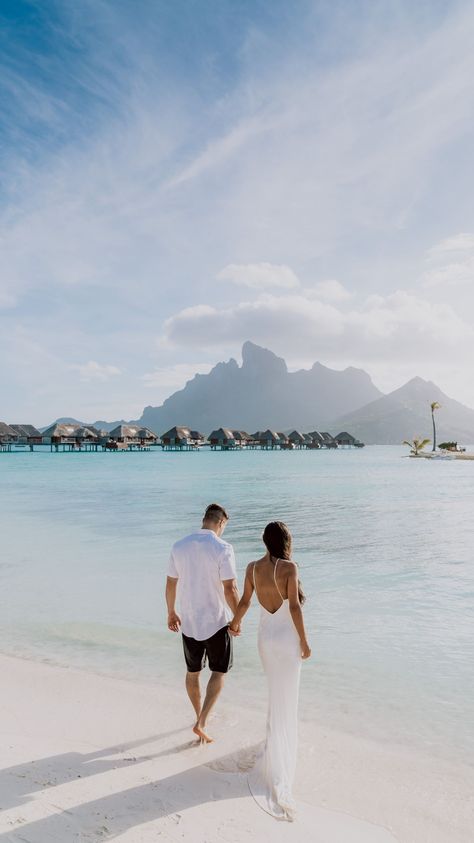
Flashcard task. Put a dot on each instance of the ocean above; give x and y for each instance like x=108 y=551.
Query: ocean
x=385 y=546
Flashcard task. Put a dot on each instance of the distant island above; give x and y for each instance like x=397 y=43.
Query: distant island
x=262 y=394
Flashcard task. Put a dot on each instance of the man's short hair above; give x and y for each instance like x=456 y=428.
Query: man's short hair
x=215 y=512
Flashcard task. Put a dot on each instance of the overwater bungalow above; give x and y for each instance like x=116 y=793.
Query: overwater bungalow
x=223 y=437
x=27 y=434
x=283 y=440
x=346 y=440
x=7 y=436
x=86 y=434
x=316 y=439
x=60 y=434
x=147 y=437
x=297 y=439
x=132 y=436
x=197 y=438
x=125 y=434
x=328 y=440
x=180 y=438
x=269 y=439
x=242 y=438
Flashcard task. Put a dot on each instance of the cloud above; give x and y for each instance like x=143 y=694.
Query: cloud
x=259 y=276
x=464 y=241
x=446 y=272
x=331 y=290
x=174 y=376
x=398 y=326
x=93 y=371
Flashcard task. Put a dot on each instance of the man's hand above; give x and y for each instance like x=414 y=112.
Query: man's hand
x=234 y=631
x=174 y=622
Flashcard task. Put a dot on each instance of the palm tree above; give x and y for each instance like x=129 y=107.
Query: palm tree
x=416 y=445
x=434 y=406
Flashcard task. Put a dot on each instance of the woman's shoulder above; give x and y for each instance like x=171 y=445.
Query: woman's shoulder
x=251 y=565
x=287 y=565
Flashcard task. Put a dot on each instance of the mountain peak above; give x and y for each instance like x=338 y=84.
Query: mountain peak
x=418 y=386
x=256 y=358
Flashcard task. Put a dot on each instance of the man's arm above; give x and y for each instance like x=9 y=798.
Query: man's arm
x=231 y=594
x=174 y=621
x=244 y=604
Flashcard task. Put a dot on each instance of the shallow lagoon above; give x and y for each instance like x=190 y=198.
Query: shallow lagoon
x=385 y=546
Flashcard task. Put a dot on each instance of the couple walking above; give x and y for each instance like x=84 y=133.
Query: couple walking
x=202 y=572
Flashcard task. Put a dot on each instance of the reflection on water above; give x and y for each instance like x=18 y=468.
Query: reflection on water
x=384 y=545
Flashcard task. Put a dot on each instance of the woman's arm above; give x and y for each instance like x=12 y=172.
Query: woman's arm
x=296 y=613
x=244 y=603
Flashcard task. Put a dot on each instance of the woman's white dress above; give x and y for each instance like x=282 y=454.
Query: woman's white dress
x=271 y=779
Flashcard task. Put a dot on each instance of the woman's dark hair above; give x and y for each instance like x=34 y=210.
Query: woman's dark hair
x=277 y=540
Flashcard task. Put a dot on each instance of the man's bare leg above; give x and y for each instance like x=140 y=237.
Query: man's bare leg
x=193 y=688
x=214 y=687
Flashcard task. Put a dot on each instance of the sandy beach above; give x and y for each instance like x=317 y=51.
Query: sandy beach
x=88 y=757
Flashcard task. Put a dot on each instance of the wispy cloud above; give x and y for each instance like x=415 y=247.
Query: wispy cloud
x=451 y=263
x=175 y=376
x=331 y=290
x=259 y=276
x=94 y=371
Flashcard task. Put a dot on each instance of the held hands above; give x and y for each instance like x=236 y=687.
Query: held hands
x=234 y=630
x=174 y=622
x=305 y=650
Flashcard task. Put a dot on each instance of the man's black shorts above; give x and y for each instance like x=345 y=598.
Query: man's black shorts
x=218 y=650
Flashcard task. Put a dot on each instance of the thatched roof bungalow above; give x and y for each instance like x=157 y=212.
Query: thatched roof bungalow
x=133 y=434
x=27 y=434
x=147 y=436
x=241 y=437
x=297 y=438
x=328 y=440
x=269 y=439
x=197 y=438
x=347 y=440
x=7 y=433
x=223 y=437
x=61 y=433
x=316 y=439
x=179 y=437
x=87 y=434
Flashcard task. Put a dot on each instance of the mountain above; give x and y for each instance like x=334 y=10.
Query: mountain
x=405 y=413
x=100 y=425
x=62 y=420
x=262 y=393
x=105 y=425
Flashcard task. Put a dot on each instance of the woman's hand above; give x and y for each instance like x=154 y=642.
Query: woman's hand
x=234 y=630
x=305 y=650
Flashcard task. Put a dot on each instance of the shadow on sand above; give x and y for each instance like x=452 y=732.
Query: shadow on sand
x=113 y=814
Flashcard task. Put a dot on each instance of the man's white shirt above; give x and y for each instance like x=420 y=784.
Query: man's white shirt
x=201 y=562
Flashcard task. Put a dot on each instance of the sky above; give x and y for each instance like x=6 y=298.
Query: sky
x=179 y=177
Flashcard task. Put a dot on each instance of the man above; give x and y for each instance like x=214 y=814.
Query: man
x=204 y=566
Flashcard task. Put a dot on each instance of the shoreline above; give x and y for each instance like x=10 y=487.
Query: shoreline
x=87 y=753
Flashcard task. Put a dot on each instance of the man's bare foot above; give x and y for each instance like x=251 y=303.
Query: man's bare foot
x=202 y=735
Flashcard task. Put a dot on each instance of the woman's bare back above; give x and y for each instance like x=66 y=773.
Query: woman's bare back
x=271 y=582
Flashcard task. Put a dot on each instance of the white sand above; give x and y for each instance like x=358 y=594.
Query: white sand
x=87 y=758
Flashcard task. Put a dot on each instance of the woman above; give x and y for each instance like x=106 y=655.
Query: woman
x=282 y=644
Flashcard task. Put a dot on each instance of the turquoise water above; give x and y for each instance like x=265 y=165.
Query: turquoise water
x=385 y=546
